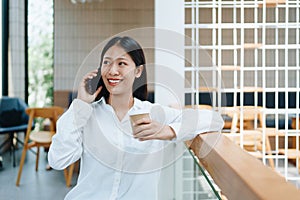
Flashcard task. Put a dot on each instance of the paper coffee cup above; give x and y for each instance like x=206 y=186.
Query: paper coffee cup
x=138 y=114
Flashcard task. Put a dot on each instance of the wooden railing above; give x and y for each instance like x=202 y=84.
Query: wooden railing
x=239 y=175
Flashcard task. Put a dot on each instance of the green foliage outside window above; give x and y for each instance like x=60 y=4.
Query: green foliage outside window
x=40 y=52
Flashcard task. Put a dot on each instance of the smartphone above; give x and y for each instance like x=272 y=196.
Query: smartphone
x=93 y=84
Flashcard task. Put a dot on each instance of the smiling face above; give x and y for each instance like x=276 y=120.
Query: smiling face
x=119 y=71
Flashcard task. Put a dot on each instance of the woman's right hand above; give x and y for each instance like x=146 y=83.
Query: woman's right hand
x=82 y=92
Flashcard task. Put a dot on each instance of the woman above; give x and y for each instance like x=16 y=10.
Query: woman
x=120 y=160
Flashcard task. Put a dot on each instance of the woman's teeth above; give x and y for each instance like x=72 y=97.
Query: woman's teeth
x=113 y=81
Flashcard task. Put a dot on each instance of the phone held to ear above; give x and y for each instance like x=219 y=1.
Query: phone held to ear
x=93 y=84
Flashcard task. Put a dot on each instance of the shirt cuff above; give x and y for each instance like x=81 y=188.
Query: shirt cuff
x=180 y=135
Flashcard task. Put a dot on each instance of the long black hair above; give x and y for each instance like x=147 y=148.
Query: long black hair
x=135 y=51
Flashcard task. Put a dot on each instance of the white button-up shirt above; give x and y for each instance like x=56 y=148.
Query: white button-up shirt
x=113 y=164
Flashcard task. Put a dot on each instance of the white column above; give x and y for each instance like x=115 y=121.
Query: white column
x=169 y=52
x=169 y=79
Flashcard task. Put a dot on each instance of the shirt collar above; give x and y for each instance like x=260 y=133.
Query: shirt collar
x=137 y=104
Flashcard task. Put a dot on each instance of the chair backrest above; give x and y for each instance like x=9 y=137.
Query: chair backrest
x=12 y=112
x=251 y=113
x=52 y=113
x=200 y=106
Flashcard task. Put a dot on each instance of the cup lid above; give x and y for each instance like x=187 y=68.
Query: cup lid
x=138 y=112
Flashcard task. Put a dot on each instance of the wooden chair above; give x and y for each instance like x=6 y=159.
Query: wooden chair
x=252 y=133
x=293 y=153
x=42 y=138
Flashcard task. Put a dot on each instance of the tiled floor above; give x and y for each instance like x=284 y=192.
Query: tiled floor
x=47 y=185
x=40 y=185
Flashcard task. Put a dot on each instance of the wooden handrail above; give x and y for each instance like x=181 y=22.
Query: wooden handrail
x=238 y=174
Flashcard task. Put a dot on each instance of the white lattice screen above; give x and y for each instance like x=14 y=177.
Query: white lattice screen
x=246 y=53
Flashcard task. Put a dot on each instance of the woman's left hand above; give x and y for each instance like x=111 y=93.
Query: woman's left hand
x=147 y=129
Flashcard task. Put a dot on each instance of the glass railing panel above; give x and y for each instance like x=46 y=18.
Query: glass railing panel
x=198 y=184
